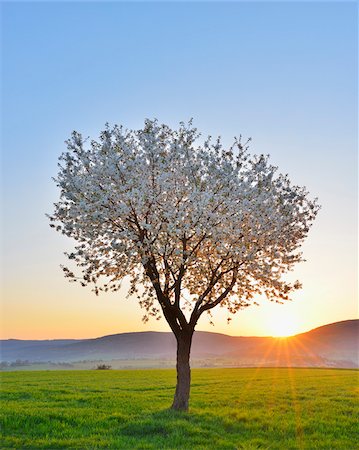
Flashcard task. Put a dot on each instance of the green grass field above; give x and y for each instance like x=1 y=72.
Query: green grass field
x=229 y=409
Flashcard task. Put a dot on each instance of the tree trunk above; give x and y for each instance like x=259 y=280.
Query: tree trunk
x=181 y=398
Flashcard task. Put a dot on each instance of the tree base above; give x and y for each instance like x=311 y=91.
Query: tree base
x=180 y=406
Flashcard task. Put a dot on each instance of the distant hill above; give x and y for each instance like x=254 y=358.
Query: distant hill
x=333 y=345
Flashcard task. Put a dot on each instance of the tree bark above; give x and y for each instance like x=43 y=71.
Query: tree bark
x=181 y=398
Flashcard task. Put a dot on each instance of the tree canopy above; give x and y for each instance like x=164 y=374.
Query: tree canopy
x=192 y=224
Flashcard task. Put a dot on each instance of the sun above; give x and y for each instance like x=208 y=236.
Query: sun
x=283 y=324
x=284 y=330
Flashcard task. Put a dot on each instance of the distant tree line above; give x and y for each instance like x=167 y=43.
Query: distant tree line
x=26 y=362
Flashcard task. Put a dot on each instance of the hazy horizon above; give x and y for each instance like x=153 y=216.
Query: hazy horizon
x=169 y=331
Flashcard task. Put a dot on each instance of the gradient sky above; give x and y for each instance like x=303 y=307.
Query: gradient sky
x=283 y=73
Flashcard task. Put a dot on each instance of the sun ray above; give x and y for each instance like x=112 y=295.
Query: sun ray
x=296 y=405
x=259 y=367
x=298 y=343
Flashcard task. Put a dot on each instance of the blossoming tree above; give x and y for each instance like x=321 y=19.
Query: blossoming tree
x=192 y=226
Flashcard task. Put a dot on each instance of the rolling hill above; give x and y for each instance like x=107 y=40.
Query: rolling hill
x=333 y=345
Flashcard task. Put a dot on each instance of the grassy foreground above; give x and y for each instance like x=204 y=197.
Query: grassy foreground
x=230 y=409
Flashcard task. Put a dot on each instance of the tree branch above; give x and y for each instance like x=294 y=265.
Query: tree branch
x=224 y=294
x=198 y=309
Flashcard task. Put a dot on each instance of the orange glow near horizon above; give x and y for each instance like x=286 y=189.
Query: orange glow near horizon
x=56 y=309
x=283 y=324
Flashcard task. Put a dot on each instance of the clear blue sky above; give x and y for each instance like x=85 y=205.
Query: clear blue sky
x=283 y=73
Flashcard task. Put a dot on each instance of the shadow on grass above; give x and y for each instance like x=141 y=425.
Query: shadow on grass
x=162 y=423
x=176 y=429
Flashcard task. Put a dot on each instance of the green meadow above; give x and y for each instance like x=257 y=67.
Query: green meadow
x=267 y=408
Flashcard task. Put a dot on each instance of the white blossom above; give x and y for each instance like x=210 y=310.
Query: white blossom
x=177 y=217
